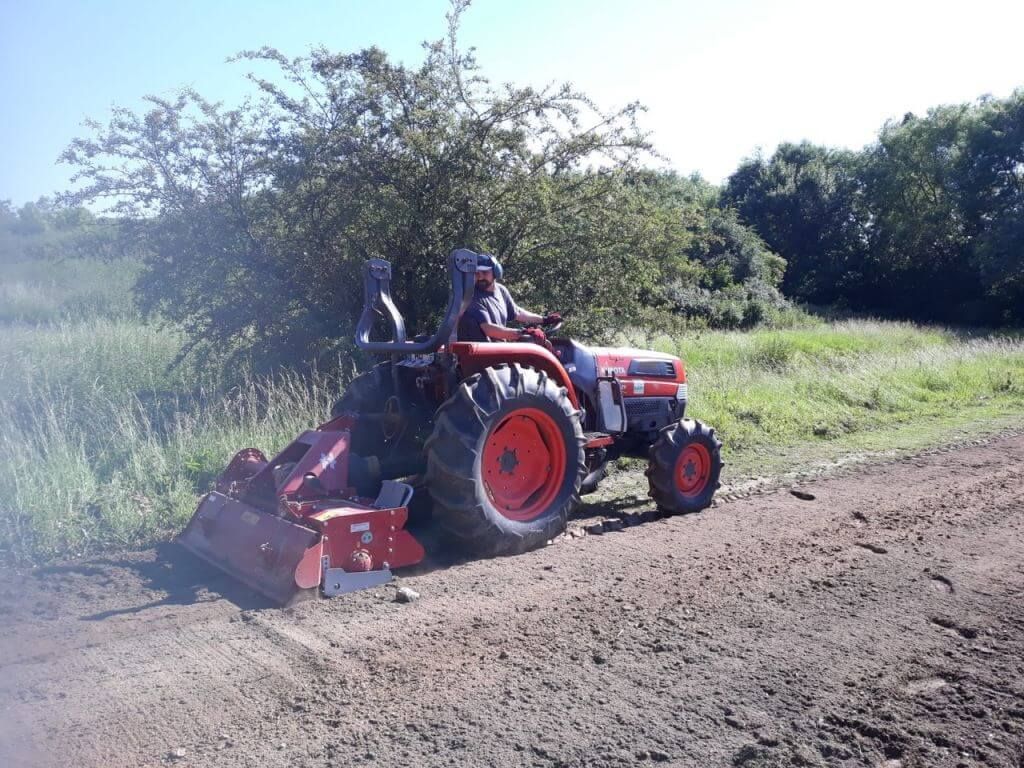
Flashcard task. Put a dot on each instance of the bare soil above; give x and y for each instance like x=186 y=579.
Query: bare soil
x=880 y=623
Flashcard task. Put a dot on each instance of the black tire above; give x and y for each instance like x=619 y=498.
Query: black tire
x=594 y=478
x=672 y=441
x=367 y=392
x=462 y=506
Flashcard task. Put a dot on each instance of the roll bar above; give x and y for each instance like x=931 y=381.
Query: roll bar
x=377 y=301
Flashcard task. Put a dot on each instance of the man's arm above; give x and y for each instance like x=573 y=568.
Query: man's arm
x=500 y=332
x=529 y=318
x=524 y=316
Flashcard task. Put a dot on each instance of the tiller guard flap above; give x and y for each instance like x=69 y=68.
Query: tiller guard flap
x=271 y=554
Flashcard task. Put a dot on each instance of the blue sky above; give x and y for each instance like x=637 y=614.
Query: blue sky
x=719 y=78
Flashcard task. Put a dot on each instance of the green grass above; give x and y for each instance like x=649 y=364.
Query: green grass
x=89 y=467
x=106 y=441
x=72 y=289
x=97 y=359
x=776 y=388
x=818 y=342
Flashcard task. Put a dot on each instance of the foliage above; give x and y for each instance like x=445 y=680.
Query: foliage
x=59 y=262
x=47 y=230
x=805 y=202
x=257 y=219
x=714 y=271
x=106 y=446
x=925 y=223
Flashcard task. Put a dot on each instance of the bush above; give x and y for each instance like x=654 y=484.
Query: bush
x=420 y=160
x=729 y=308
x=773 y=353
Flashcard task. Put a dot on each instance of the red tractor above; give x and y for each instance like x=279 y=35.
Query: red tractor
x=504 y=437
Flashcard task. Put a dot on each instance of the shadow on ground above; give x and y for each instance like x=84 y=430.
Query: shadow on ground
x=590 y=518
x=173 y=576
x=172 y=573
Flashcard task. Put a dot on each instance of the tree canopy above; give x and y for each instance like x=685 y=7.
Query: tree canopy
x=924 y=223
x=47 y=229
x=256 y=219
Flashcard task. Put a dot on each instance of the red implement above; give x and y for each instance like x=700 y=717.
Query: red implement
x=289 y=526
x=272 y=555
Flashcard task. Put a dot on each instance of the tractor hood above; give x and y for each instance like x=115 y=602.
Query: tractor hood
x=626 y=362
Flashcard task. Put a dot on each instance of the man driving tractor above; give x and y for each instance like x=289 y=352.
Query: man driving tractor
x=492 y=309
x=503 y=438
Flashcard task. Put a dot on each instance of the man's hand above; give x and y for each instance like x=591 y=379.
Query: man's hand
x=499 y=332
x=537 y=336
x=551 y=318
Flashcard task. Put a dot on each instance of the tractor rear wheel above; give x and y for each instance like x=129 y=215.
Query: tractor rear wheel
x=367 y=393
x=505 y=461
x=685 y=465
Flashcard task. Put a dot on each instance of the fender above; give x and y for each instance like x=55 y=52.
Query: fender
x=475 y=356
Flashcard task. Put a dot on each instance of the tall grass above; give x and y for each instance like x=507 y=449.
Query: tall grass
x=88 y=361
x=105 y=441
x=105 y=436
x=765 y=388
x=816 y=343
x=97 y=461
x=39 y=291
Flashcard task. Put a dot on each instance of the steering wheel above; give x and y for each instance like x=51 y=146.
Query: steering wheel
x=549 y=329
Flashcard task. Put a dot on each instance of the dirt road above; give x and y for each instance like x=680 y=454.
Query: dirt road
x=881 y=624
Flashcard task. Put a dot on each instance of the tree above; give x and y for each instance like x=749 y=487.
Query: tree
x=925 y=223
x=46 y=229
x=257 y=219
x=805 y=201
x=991 y=189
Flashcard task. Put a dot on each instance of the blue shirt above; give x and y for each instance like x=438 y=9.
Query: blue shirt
x=495 y=307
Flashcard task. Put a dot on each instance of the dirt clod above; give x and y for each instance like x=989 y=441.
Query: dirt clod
x=406 y=595
x=878 y=549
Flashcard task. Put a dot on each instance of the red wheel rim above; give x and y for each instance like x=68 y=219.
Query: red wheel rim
x=693 y=468
x=523 y=464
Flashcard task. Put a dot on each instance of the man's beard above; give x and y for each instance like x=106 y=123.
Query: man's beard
x=484 y=285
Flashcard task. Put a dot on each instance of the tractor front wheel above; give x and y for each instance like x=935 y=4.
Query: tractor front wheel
x=685 y=465
x=505 y=461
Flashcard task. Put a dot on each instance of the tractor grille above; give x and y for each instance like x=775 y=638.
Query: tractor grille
x=643 y=406
x=652 y=368
x=647 y=414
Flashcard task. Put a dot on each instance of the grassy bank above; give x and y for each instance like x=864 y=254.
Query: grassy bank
x=105 y=442
x=829 y=381
x=70 y=289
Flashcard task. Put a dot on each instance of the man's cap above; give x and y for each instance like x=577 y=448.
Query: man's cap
x=485 y=261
